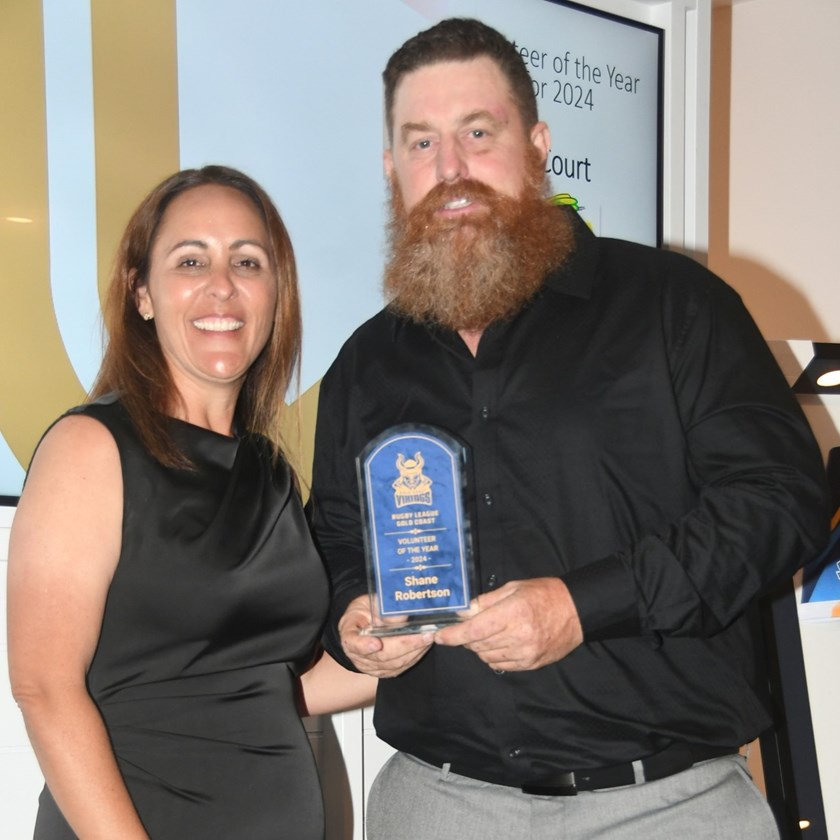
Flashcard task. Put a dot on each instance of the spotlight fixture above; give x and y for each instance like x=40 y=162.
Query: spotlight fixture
x=822 y=374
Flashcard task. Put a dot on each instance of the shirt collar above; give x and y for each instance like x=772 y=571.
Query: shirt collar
x=576 y=276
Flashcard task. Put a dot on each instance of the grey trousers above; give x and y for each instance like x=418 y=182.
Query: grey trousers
x=714 y=800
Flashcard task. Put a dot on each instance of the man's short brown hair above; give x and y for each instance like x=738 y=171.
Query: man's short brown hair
x=461 y=39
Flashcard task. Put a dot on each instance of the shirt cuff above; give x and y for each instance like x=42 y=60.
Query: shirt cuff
x=605 y=597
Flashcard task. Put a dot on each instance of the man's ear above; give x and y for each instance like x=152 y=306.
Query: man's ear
x=388 y=163
x=541 y=138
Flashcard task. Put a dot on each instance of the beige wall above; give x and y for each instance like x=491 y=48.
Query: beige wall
x=773 y=230
x=775 y=178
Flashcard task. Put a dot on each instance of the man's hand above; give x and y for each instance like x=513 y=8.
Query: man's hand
x=521 y=626
x=375 y=655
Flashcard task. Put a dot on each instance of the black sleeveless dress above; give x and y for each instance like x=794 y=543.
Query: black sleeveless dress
x=215 y=606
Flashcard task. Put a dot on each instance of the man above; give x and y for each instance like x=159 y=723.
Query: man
x=641 y=475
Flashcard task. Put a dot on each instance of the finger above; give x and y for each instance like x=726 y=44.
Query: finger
x=453 y=635
x=385 y=665
x=396 y=647
x=392 y=649
x=489 y=599
x=503 y=664
x=477 y=630
x=356 y=644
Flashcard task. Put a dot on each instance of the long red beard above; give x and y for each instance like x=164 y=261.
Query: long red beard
x=468 y=272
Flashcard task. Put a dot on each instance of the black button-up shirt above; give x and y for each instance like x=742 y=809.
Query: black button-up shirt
x=631 y=434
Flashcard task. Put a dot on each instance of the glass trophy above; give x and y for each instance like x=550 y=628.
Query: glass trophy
x=418 y=540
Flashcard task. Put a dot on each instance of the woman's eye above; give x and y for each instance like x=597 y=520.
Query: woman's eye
x=189 y=262
x=249 y=263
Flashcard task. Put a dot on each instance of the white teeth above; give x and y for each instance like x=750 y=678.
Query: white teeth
x=457 y=204
x=218 y=324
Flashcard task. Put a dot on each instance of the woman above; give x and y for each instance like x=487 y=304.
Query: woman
x=164 y=593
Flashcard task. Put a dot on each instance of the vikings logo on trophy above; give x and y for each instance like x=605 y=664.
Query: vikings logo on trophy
x=412 y=487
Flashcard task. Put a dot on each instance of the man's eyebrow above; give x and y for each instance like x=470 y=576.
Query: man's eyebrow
x=475 y=116
x=467 y=119
x=409 y=127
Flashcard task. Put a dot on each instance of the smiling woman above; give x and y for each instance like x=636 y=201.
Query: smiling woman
x=205 y=244
x=212 y=291
x=160 y=566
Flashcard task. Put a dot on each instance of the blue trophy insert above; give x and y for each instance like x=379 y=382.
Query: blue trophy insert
x=412 y=490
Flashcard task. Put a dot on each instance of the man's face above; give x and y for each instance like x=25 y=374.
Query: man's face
x=455 y=120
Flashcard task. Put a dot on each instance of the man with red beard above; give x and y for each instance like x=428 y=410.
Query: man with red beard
x=642 y=474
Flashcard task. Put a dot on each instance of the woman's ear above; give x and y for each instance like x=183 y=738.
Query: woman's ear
x=141 y=297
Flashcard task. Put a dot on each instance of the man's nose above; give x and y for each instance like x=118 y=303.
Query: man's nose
x=451 y=161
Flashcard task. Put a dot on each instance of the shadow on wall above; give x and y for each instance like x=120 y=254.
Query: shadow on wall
x=772 y=300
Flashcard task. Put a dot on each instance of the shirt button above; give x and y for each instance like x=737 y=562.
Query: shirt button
x=491 y=581
x=514 y=753
x=485 y=412
x=488 y=499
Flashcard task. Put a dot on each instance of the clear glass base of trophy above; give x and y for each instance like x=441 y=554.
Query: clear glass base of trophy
x=411 y=626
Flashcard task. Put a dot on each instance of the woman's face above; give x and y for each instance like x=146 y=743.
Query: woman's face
x=212 y=289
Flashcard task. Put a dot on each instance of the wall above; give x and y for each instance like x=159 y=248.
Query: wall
x=774 y=176
x=774 y=181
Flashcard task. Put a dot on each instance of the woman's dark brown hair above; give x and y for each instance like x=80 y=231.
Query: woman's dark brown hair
x=133 y=363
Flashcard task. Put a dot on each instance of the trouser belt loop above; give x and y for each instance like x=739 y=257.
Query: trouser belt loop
x=639 y=772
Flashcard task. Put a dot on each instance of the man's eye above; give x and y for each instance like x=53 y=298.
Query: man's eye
x=478 y=133
x=423 y=144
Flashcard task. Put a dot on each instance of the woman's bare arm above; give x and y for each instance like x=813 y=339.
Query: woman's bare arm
x=328 y=687
x=64 y=548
